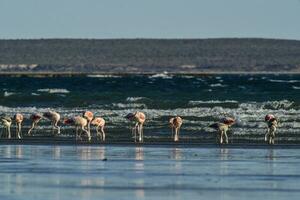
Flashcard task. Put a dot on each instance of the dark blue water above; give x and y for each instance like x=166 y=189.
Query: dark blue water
x=200 y=100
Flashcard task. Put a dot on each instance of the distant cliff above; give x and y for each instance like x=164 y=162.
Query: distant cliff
x=150 y=55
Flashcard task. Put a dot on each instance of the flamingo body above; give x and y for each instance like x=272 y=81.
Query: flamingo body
x=139 y=118
x=175 y=124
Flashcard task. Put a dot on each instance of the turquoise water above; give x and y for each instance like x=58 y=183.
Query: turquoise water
x=152 y=172
x=199 y=100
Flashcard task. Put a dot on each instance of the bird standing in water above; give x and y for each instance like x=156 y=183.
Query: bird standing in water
x=272 y=123
x=18 y=118
x=54 y=117
x=6 y=122
x=35 y=118
x=99 y=122
x=139 y=119
x=88 y=115
x=175 y=124
x=222 y=128
x=79 y=123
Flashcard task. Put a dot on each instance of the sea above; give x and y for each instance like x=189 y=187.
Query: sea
x=57 y=167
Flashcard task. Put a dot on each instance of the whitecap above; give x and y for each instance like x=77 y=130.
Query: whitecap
x=164 y=75
x=54 y=90
x=103 y=76
x=296 y=88
x=284 y=81
x=134 y=99
x=217 y=85
x=7 y=94
x=210 y=102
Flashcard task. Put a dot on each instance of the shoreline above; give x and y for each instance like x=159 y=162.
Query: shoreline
x=167 y=144
x=50 y=74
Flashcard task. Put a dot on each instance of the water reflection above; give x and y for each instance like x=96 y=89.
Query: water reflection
x=177 y=155
x=19 y=151
x=139 y=167
x=56 y=152
x=224 y=157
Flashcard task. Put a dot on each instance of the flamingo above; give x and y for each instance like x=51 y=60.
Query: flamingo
x=79 y=123
x=88 y=115
x=139 y=118
x=54 y=117
x=222 y=127
x=272 y=123
x=6 y=122
x=175 y=124
x=35 y=118
x=18 y=118
x=99 y=122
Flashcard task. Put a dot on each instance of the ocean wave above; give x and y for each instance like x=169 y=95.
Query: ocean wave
x=7 y=94
x=134 y=99
x=217 y=85
x=193 y=103
x=103 y=76
x=296 y=88
x=161 y=75
x=284 y=81
x=129 y=105
x=54 y=90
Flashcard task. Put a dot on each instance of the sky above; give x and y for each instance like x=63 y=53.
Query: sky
x=102 y=19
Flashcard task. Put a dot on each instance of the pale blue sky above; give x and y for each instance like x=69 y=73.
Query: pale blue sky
x=149 y=18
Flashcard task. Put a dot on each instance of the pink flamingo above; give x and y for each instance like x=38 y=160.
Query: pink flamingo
x=139 y=118
x=54 y=117
x=35 y=118
x=79 y=123
x=89 y=116
x=222 y=128
x=99 y=122
x=6 y=122
x=175 y=124
x=18 y=118
x=272 y=123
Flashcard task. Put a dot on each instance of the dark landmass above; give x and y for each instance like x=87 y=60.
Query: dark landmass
x=149 y=56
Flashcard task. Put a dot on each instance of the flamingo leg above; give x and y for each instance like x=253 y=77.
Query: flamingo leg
x=31 y=128
x=172 y=128
x=98 y=133
x=8 y=131
x=77 y=133
x=221 y=137
x=57 y=127
x=87 y=132
x=267 y=134
x=103 y=133
x=18 y=130
x=142 y=132
x=226 y=137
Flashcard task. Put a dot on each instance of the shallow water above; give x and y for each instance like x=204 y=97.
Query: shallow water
x=200 y=100
x=153 y=172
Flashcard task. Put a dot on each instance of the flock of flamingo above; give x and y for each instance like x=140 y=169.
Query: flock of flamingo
x=83 y=124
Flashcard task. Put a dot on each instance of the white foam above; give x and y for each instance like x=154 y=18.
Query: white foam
x=296 y=88
x=54 y=90
x=7 y=94
x=210 y=102
x=217 y=85
x=134 y=99
x=284 y=81
x=161 y=75
x=103 y=76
